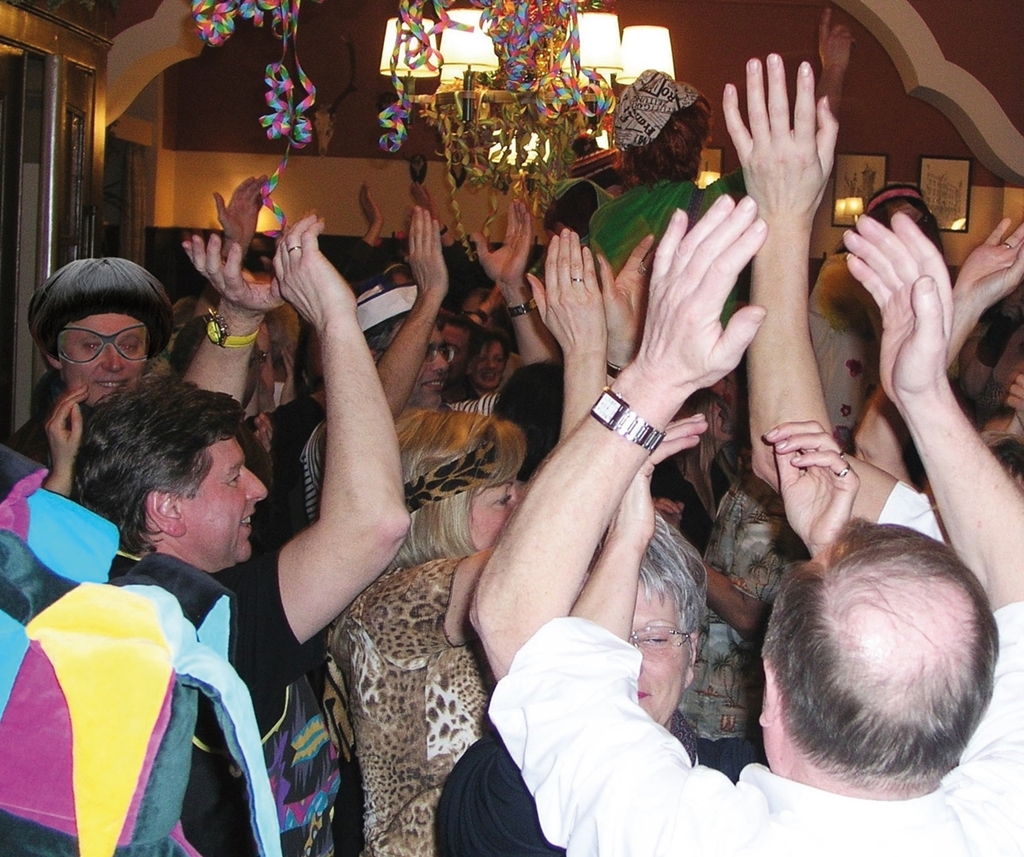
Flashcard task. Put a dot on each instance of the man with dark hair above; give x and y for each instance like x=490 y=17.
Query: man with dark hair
x=160 y=438
x=163 y=464
x=461 y=334
x=878 y=725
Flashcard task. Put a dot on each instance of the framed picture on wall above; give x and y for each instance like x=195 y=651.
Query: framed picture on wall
x=857 y=177
x=946 y=185
x=710 y=166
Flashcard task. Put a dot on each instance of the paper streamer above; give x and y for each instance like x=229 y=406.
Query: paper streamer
x=215 y=22
x=525 y=33
x=415 y=36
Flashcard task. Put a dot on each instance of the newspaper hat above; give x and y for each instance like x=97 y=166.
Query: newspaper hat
x=646 y=105
x=382 y=301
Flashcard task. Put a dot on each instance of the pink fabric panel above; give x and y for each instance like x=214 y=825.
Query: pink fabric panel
x=35 y=748
x=14 y=513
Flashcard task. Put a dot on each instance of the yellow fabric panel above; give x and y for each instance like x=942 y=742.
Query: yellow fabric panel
x=114 y=666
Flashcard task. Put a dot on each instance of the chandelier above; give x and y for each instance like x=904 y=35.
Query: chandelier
x=517 y=82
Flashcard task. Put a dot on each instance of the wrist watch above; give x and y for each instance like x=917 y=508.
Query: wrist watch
x=613 y=413
x=217 y=331
x=521 y=309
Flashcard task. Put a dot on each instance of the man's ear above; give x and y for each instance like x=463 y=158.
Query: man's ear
x=163 y=514
x=771 y=707
x=691 y=663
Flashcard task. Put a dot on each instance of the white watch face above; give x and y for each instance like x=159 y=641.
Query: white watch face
x=606 y=409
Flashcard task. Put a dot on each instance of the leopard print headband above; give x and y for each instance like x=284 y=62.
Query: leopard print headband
x=452 y=477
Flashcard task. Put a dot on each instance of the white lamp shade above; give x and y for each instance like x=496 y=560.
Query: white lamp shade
x=390 y=34
x=644 y=48
x=600 y=45
x=466 y=50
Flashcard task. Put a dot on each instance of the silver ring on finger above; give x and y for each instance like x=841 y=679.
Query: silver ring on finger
x=1007 y=245
x=843 y=472
x=576 y=279
x=296 y=247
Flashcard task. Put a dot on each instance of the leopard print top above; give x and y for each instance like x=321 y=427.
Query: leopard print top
x=416 y=702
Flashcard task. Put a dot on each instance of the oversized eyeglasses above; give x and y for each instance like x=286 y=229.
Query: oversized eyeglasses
x=445 y=350
x=659 y=639
x=82 y=345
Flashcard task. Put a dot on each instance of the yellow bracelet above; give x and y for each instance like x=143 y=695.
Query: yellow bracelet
x=217 y=332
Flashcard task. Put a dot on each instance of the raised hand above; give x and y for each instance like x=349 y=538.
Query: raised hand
x=425 y=199
x=684 y=346
x=64 y=436
x=264 y=431
x=243 y=296
x=904 y=272
x=425 y=257
x=507 y=264
x=785 y=165
x=569 y=299
x=308 y=281
x=625 y=302
x=834 y=42
x=371 y=211
x=238 y=217
x=992 y=270
x=817 y=484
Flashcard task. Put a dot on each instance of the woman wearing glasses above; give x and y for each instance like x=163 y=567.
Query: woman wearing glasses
x=97 y=322
x=486 y=807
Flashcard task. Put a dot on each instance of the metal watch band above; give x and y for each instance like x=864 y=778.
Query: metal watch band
x=522 y=309
x=217 y=333
x=613 y=413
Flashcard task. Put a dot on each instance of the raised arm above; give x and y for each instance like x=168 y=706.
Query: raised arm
x=835 y=43
x=507 y=267
x=981 y=507
x=609 y=595
x=244 y=300
x=541 y=560
x=569 y=303
x=786 y=165
x=991 y=272
x=362 y=510
x=400 y=365
x=373 y=215
x=817 y=483
x=238 y=216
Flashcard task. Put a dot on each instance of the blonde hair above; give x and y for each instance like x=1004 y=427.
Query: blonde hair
x=429 y=439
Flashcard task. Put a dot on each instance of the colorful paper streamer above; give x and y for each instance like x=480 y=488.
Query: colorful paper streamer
x=215 y=23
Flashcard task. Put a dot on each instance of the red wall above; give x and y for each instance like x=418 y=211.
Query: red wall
x=216 y=99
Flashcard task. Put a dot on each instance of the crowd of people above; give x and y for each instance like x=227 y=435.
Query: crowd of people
x=616 y=555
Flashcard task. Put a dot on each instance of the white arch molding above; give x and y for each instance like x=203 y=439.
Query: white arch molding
x=928 y=75
x=144 y=50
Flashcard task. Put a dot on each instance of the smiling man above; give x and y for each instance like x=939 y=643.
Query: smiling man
x=161 y=461
x=426 y=392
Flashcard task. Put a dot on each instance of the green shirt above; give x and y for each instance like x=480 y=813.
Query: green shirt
x=617 y=227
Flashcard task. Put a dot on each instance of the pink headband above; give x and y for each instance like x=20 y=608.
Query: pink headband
x=893 y=193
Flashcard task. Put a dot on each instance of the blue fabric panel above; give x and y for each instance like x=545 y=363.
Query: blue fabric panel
x=70 y=539
x=215 y=631
x=13 y=645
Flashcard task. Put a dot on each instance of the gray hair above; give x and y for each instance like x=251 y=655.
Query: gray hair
x=673 y=568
